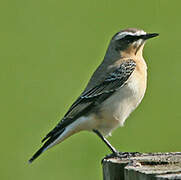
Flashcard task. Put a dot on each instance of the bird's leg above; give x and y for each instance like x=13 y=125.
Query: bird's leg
x=106 y=141
x=115 y=152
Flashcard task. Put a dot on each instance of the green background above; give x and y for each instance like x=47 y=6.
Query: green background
x=48 y=51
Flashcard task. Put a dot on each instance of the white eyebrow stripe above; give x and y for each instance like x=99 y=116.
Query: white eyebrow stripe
x=123 y=34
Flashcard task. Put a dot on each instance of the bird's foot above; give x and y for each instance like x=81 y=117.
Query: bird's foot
x=121 y=155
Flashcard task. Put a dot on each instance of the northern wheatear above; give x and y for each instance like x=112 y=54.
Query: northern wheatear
x=113 y=92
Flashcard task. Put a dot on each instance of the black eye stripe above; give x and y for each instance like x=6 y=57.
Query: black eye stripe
x=129 y=37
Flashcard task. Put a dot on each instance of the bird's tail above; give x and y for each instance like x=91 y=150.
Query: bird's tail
x=54 y=137
x=63 y=130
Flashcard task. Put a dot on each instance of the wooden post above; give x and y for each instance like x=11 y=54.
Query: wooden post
x=145 y=166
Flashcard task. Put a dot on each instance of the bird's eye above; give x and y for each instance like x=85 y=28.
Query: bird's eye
x=128 y=38
x=124 y=42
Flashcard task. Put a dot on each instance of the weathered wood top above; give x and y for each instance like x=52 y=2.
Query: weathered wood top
x=145 y=166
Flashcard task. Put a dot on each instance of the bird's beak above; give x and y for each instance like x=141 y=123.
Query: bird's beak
x=148 y=36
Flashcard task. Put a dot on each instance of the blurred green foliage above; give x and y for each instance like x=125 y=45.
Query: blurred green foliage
x=48 y=51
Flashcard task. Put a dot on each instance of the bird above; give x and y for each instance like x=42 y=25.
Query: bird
x=115 y=89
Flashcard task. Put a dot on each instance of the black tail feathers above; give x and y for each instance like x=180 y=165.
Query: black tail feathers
x=46 y=144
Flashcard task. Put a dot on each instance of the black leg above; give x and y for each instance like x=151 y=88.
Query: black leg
x=115 y=152
x=106 y=141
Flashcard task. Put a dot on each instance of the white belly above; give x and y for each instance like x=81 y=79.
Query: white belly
x=118 y=107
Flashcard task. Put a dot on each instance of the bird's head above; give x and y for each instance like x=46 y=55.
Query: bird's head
x=131 y=41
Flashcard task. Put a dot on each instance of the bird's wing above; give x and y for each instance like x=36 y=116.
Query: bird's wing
x=96 y=95
x=89 y=100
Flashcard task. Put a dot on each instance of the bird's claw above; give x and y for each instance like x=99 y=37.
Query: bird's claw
x=121 y=155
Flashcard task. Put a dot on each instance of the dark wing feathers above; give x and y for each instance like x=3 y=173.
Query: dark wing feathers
x=89 y=99
x=98 y=94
